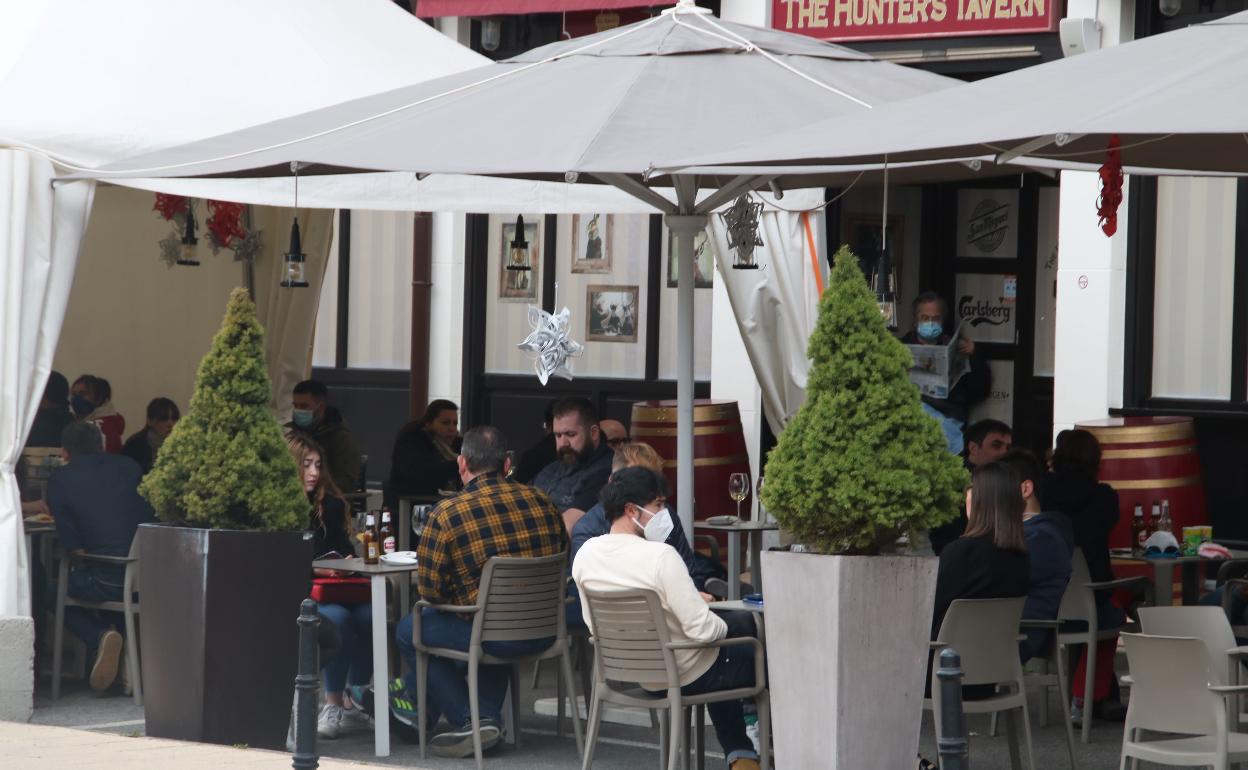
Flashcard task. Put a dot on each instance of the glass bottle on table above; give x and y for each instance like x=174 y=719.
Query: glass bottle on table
x=1139 y=531
x=368 y=538
x=386 y=533
x=1166 y=523
x=738 y=489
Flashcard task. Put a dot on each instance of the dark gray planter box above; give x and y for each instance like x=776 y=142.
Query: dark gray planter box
x=218 y=635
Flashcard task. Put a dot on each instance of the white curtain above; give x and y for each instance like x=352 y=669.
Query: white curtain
x=288 y=314
x=41 y=229
x=776 y=305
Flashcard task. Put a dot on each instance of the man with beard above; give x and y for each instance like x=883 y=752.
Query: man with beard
x=574 y=480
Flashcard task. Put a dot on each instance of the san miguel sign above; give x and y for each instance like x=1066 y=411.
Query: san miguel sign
x=889 y=19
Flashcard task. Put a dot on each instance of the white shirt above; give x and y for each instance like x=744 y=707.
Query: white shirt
x=614 y=562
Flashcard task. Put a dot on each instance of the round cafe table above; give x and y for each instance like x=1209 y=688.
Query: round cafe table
x=754 y=533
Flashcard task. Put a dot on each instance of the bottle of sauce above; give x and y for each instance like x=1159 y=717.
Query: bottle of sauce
x=1139 y=531
x=372 y=548
x=386 y=533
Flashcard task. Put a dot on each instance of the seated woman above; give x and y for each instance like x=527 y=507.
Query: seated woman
x=989 y=561
x=353 y=662
x=423 y=461
x=93 y=402
x=162 y=415
x=625 y=558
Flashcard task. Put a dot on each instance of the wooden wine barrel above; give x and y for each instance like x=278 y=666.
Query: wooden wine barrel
x=1149 y=459
x=718 y=451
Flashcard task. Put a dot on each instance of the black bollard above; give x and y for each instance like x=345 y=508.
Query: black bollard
x=951 y=743
x=307 y=680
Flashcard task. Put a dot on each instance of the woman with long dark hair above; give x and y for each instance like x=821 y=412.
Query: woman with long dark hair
x=353 y=664
x=162 y=415
x=423 y=461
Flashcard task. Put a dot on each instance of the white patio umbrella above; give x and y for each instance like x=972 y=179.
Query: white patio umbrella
x=1177 y=101
x=597 y=109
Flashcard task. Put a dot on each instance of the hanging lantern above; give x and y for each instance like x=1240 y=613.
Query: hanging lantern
x=884 y=284
x=518 y=258
x=295 y=260
x=189 y=241
x=741 y=220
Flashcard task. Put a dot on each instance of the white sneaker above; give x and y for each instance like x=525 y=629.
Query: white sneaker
x=354 y=718
x=329 y=722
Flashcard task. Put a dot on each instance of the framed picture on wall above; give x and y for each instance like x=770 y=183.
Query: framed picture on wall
x=591 y=243
x=611 y=313
x=703 y=261
x=519 y=285
x=863 y=233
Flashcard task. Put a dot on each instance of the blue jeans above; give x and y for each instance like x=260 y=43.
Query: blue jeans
x=353 y=663
x=448 y=679
x=96 y=586
x=733 y=667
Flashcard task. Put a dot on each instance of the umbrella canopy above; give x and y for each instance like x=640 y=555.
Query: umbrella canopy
x=603 y=109
x=1174 y=100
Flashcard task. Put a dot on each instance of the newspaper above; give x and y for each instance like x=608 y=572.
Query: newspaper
x=937 y=368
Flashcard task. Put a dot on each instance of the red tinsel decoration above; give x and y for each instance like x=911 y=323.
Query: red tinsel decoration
x=225 y=222
x=169 y=205
x=1111 y=188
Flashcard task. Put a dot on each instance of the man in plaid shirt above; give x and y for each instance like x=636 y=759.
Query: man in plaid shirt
x=493 y=516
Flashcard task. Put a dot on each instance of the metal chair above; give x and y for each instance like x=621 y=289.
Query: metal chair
x=520 y=599
x=1079 y=606
x=1175 y=690
x=128 y=606
x=985 y=634
x=632 y=645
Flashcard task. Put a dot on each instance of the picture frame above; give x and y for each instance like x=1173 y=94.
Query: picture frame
x=592 y=241
x=612 y=313
x=862 y=233
x=519 y=285
x=704 y=261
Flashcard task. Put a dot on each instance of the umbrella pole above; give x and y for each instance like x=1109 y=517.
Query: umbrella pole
x=684 y=228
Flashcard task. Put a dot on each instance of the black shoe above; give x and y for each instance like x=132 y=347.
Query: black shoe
x=1109 y=711
x=458 y=743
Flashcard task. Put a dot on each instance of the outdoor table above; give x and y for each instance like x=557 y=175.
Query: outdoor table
x=1163 y=575
x=754 y=531
x=377 y=574
x=34 y=530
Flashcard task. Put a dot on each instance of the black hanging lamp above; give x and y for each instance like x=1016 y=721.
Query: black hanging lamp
x=295 y=259
x=518 y=258
x=883 y=284
x=189 y=241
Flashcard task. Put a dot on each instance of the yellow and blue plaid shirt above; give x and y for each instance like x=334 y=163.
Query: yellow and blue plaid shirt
x=491 y=517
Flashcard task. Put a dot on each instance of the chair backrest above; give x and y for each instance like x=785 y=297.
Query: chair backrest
x=1232 y=569
x=630 y=635
x=985 y=634
x=132 y=569
x=522 y=598
x=1078 y=602
x=1208 y=624
x=1170 y=692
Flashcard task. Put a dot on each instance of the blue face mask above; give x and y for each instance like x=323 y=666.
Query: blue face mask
x=930 y=330
x=82 y=406
x=303 y=418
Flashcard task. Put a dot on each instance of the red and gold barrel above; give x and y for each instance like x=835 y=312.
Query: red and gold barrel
x=1147 y=460
x=718 y=450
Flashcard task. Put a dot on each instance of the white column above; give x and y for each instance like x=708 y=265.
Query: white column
x=446 y=339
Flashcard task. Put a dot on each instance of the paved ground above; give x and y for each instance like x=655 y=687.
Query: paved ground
x=621 y=747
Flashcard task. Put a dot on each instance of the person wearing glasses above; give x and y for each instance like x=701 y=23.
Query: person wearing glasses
x=614 y=432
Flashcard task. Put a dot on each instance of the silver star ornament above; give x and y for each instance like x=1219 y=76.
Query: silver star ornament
x=549 y=343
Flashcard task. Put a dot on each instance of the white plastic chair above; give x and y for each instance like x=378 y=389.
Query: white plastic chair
x=1174 y=690
x=1208 y=624
x=1079 y=604
x=985 y=634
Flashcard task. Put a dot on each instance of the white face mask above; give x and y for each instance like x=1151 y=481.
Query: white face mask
x=658 y=528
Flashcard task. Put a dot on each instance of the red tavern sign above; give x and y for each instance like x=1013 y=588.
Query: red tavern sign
x=888 y=19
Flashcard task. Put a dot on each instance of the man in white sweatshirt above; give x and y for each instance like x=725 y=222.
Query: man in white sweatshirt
x=633 y=555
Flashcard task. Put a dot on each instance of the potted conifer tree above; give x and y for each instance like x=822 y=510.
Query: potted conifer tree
x=858 y=466
x=223 y=575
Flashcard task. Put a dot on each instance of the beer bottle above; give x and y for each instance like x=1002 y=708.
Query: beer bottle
x=1139 y=531
x=1167 y=523
x=386 y=533
x=372 y=548
x=1154 y=521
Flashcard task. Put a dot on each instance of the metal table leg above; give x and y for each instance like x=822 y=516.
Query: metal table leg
x=756 y=562
x=734 y=565
x=1163 y=582
x=381 y=669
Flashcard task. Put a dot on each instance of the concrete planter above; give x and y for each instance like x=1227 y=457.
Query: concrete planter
x=847 y=641
x=218 y=633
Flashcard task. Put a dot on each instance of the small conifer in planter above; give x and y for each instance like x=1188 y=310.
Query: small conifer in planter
x=860 y=464
x=226 y=464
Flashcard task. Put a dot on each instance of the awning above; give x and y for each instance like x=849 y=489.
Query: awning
x=427 y=9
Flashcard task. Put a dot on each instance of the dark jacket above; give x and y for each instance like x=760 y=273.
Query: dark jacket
x=577 y=486
x=594 y=523
x=417 y=467
x=49 y=422
x=947 y=533
x=342 y=457
x=1093 y=511
x=534 y=459
x=139 y=449
x=1050 y=542
x=331 y=533
x=971 y=389
x=974 y=568
x=96 y=502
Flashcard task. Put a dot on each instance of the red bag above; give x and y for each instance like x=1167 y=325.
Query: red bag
x=341 y=590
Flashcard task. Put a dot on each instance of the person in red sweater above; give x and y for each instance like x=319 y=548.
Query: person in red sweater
x=92 y=401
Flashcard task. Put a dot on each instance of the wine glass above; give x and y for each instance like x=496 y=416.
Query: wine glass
x=738 y=488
